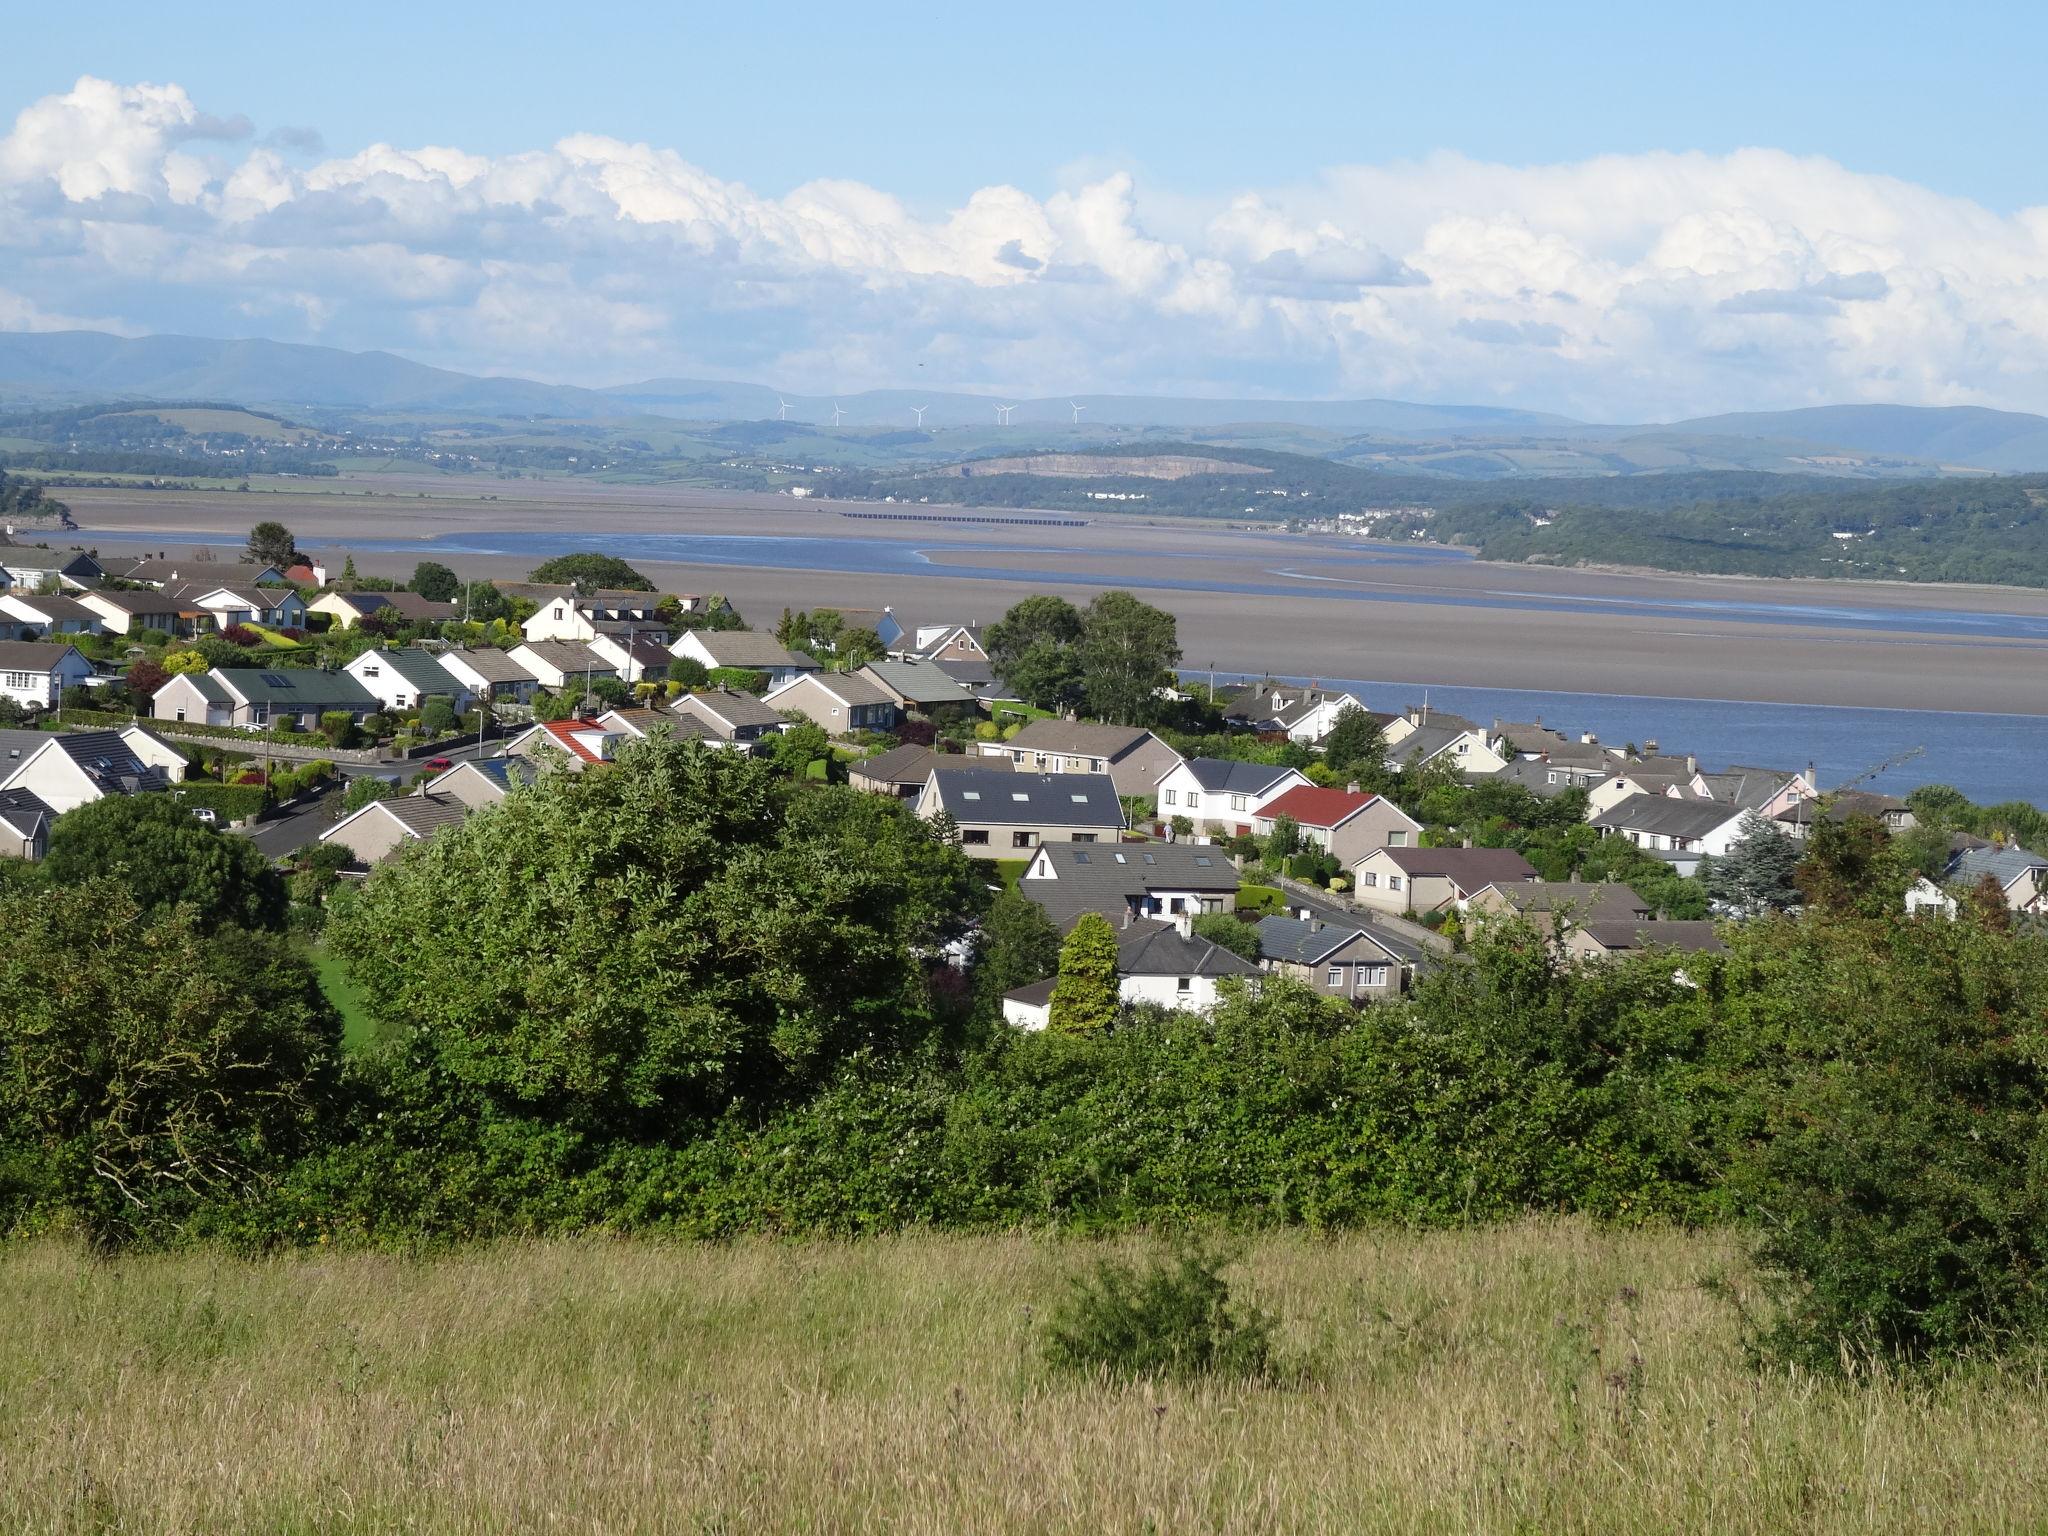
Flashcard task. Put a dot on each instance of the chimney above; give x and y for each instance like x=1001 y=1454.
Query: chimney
x=1351 y=788
x=1588 y=739
x=1184 y=923
x=1649 y=746
x=1692 y=764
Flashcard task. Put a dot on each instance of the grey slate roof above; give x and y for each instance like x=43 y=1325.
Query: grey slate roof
x=24 y=814
x=2003 y=864
x=1667 y=817
x=1222 y=776
x=31 y=655
x=424 y=814
x=737 y=710
x=1110 y=877
x=1000 y=797
x=1077 y=737
x=1587 y=899
x=1157 y=949
x=57 y=608
x=850 y=688
x=1470 y=869
x=569 y=656
x=1424 y=741
x=755 y=652
x=490 y=664
x=900 y=765
x=1687 y=934
x=921 y=682
x=109 y=762
x=1297 y=942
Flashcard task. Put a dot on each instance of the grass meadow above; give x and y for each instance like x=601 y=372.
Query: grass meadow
x=1541 y=1377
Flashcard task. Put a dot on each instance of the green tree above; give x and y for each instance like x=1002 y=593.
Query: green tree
x=1085 y=999
x=798 y=745
x=271 y=543
x=1016 y=945
x=1755 y=874
x=689 y=671
x=590 y=571
x=1230 y=932
x=1035 y=650
x=170 y=1066
x=348 y=574
x=437 y=715
x=163 y=857
x=857 y=647
x=435 y=581
x=685 y=928
x=1850 y=869
x=1128 y=651
x=1357 y=745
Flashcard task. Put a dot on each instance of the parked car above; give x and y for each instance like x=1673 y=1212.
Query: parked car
x=436 y=765
x=204 y=814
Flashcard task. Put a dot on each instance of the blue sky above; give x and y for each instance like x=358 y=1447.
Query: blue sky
x=1611 y=211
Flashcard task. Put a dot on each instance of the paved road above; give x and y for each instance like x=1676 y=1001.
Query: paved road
x=284 y=835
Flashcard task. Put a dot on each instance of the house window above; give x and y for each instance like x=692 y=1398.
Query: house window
x=1368 y=880
x=1038 y=759
x=1372 y=975
x=1393 y=882
x=1084 y=837
x=1016 y=757
x=1194 y=800
x=1095 y=766
x=1173 y=797
x=1176 y=904
x=1022 y=839
x=1397 y=839
x=20 y=679
x=1336 y=975
x=1237 y=802
x=1183 y=985
x=1212 y=903
x=974 y=837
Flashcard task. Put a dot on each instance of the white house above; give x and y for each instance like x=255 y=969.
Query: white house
x=568 y=616
x=276 y=607
x=256 y=699
x=1221 y=797
x=37 y=675
x=488 y=673
x=31 y=616
x=2021 y=877
x=746 y=651
x=1163 y=963
x=1678 y=831
x=560 y=664
x=637 y=654
x=155 y=752
x=1624 y=784
x=76 y=768
x=124 y=613
x=32 y=568
x=404 y=679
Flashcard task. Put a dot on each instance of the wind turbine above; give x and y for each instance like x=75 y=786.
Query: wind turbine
x=1003 y=414
x=836 y=413
x=1077 y=410
x=918 y=411
x=781 y=409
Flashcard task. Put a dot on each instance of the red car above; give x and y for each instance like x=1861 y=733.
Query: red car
x=436 y=765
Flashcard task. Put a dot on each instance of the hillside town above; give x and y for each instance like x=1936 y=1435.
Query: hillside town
x=1276 y=828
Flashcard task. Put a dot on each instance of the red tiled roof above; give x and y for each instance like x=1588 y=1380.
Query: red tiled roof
x=1309 y=806
x=565 y=731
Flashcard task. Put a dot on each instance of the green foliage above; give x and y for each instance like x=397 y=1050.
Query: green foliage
x=1851 y=869
x=1755 y=874
x=798 y=745
x=1127 y=654
x=338 y=726
x=154 y=850
x=1229 y=932
x=271 y=543
x=437 y=716
x=365 y=788
x=1035 y=649
x=689 y=671
x=171 y=1067
x=1017 y=944
x=739 y=680
x=1086 y=998
x=1174 y=1319
x=1899 y=1183
x=1357 y=746
x=590 y=571
x=435 y=582
x=682 y=929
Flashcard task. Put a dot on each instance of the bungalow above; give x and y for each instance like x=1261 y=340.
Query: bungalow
x=34 y=568
x=32 y=616
x=1128 y=881
x=223 y=607
x=732 y=716
x=1162 y=963
x=841 y=702
x=640 y=724
x=37 y=675
x=1431 y=879
x=478 y=782
x=900 y=772
x=1678 y=831
x=637 y=655
x=1341 y=822
x=404 y=679
x=1464 y=748
x=1220 y=796
x=560 y=665
x=572 y=744
x=1303 y=713
x=1572 y=901
x=1525 y=738
x=125 y=613
x=1399 y=728
x=1336 y=959
x=78 y=767
x=24 y=825
x=920 y=686
x=2021 y=878
x=162 y=571
x=157 y=753
x=1624 y=783
x=1767 y=791
x=1005 y=813
x=488 y=673
x=348 y=609
x=1797 y=819
x=931 y=642
x=1134 y=759
x=383 y=829
x=1601 y=940
x=743 y=650
x=1547 y=780
x=261 y=700
x=570 y=616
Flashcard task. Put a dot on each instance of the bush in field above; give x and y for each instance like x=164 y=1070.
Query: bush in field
x=1173 y=1319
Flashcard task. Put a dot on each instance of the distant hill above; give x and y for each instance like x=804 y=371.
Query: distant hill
x=1459 y=442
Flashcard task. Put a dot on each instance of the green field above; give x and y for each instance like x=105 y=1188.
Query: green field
x=200 y=420
x=1541 y=1378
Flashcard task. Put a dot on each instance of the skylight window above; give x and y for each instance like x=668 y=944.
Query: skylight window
x=1078 y=799
x=1203 y=861
x=970 y=794
x=1018 y=794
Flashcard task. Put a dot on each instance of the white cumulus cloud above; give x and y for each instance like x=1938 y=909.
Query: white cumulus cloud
x=1620 y=287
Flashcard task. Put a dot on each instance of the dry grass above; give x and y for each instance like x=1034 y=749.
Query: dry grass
x=1540 y=1378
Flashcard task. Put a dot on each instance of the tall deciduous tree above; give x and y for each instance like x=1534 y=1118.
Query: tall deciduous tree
x=1850 y=869
x=154 y=850
x=1358 y=747
x=271 y=543
x=629 y=949
x=1084 y=1000
x=435 y=581
x=1016 y=946
x=1035 y=649
x=590 y=570
x=1128 y=651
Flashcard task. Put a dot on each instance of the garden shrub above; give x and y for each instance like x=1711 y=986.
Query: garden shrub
x=1173 y=1319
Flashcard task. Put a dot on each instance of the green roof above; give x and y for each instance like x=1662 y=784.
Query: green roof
x=419 y=668
x=297 y=687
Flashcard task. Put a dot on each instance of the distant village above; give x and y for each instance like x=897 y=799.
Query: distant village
x=346 y=720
